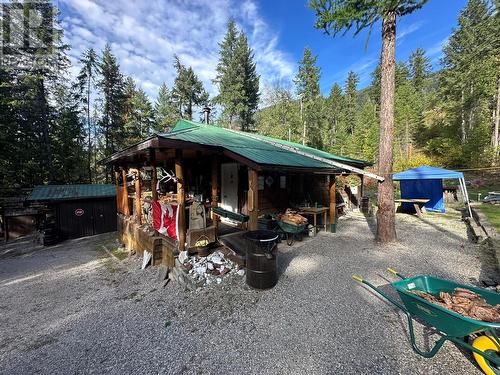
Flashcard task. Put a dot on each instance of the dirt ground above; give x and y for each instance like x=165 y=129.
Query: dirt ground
x=72 y=309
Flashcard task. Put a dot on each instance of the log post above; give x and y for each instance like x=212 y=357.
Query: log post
x=215 y=190
x=138 y=196
x=181 y=200
x=154 y=176
x=361 y=188
x=333 y=204
x=125 y=191
x=253 y=199
x=117 y=174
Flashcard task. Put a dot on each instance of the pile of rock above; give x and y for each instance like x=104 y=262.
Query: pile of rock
x=212 y=269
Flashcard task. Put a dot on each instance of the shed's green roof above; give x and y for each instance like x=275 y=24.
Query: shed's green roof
x=70 y=192
x=252 y=149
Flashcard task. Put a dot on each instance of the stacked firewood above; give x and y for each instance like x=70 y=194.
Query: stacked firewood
x=466 y=303
x=292 y=217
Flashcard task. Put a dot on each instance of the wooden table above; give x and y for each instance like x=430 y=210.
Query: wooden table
x=419 y=204
x=314 y=212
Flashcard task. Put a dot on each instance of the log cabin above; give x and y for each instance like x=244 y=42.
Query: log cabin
x=234 y=178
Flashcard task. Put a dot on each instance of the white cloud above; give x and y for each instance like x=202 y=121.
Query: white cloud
x=145 y=35
x=436 y=50
x=401 y=34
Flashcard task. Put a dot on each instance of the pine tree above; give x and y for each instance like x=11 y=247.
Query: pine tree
x=334 y=111
x=420 y=68
x=188 y=90
x=10 y=133
x=307 y=86
x=351 y=100
x=470 y=74
x=165 y=111
x=236 y=79
x=406 y=112
x=111 y=86
x=250 y=98
x=34 y=76
x=229 y=77
x=280 y=116
x=374 y=89
x=86 y=80
x=68 y=136
x=335 y=16
x=138 y=114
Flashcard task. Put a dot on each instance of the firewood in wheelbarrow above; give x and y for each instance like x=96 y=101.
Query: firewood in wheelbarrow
x=484 y=313
x=446 y=298
x=461 y=300
x=465 y=293
x=428 y=297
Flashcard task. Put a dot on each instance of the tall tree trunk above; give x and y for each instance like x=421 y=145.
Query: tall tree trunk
x=471 y=109
x=462 y=111
x=44 y=117
x=334 y=131
x=303 y=122
x=89 y=128
x=496 y=120
x=407 y=139
x=386 y=217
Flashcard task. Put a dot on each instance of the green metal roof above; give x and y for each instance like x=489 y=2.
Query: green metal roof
x=250 y=148
x=71 y=192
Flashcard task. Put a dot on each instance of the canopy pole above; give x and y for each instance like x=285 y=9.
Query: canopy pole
x=466 y=196
x=462 y=189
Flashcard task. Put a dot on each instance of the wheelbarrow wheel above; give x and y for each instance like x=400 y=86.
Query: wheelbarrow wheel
x=289 y=239
x=488 y=345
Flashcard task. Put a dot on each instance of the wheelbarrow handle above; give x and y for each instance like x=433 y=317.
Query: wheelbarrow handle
x=374 y=288
x=396 y=273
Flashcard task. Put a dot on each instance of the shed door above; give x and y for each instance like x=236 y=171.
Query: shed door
x=75 y=219
x=104 y=216
x=229 y=187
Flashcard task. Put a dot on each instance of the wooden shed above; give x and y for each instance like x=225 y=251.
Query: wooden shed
x=80 y=210
x=236 y=175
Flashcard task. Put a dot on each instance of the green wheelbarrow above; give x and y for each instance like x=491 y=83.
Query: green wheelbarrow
x=290 y=230
x=454 y=327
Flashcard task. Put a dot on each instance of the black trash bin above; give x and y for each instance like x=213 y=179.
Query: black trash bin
x=261 y=262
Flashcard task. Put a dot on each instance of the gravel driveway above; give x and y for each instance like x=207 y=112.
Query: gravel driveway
x=71 y=309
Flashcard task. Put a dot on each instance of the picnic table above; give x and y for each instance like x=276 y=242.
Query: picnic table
x=314 y=212
x=419 y=204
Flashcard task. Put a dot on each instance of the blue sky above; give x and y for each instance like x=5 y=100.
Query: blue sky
x=145 y=34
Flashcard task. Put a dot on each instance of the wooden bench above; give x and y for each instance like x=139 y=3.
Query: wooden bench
x=419 y=204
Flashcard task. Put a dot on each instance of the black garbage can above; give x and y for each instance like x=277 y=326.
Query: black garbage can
x=261 y=262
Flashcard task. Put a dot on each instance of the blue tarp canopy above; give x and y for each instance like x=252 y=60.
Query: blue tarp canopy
x=425 y=183
x=427 y=173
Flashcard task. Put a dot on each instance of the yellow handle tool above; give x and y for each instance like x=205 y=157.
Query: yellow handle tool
x=396 y=273
x=357 y=278
x=393 y=271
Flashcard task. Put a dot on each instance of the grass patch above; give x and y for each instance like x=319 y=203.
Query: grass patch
x=492 y=213
x=110 y=265
x=120 y=253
